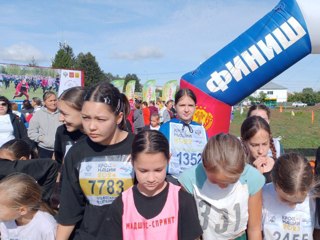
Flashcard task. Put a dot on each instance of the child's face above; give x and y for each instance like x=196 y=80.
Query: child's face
x=261 y=113
x=150 y=172
x=7 y=213
x=185 y=108
x=220 y=179
x=69 y=116
x=154 y=121
x=99 y=122
x=259 y=144
x=290 y=199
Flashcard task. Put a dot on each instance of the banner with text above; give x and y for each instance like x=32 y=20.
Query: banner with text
x=118 y=83
x=169 y=90
x=23 y=82
x=149 y=91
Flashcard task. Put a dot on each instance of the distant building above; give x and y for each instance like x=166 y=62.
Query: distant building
x=273 y=91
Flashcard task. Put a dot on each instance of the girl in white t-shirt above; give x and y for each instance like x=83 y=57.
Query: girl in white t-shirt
x=228 y=192
x=22 y=213
x=288 y=208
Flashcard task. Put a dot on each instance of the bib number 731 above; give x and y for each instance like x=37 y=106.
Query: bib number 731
x=205 y=212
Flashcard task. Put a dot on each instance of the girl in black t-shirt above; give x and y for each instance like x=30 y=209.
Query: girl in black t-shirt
x=69 y=104
x=96 y=169
x=153 y=208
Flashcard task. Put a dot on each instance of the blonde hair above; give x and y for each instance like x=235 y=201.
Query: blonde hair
x=22 y=190
x=224 y=153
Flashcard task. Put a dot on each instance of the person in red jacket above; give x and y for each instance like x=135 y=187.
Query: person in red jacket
x=22 y=89
x=146 y=113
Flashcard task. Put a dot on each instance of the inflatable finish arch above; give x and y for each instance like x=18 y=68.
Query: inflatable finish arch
x=277 y=41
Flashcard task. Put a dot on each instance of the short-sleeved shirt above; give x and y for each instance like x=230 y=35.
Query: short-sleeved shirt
x=42 y=226
x=93 y=176
x=223 y=212
x=188 y=223
x=281 y=221
x=64 y=140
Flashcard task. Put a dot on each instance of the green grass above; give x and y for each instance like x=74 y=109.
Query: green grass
x=9 y=93
x=297 y=132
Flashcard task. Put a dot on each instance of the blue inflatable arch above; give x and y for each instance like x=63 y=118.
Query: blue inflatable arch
x=277 y=41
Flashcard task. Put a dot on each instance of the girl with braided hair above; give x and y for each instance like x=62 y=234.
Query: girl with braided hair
x=264 y=112
x=257 y=138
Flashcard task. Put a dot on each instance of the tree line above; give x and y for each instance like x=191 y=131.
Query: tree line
x=65 y=58
x=307 y=95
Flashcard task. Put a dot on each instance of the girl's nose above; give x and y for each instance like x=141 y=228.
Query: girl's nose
x=151 y=178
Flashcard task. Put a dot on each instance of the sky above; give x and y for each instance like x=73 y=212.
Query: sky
x=154 y=39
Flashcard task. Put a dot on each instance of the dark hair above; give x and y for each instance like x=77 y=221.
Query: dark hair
x=137 y=104
x=48 y=94
x=26 y=104
x=20 y=148
x=169 y=101
x=251 y=126
x=105 y=92
x=150 y=141
x=292 y=173
x=259 y=107
x=145 y=103
x=37 y=101
x=224 y=153
x=73 y=97
x=185 y=92
x=4 y=99
x=151 y=103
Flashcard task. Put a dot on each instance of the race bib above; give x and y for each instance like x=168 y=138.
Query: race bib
x=102 y=179
x=186 y=147
x=223 y=217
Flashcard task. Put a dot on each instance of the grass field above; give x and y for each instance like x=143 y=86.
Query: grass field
x=298 y=133
x=9 y=93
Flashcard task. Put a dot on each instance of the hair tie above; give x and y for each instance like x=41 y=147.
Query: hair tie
x=107 y=100
x=118 y=105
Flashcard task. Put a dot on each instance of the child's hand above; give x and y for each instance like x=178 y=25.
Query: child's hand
x=260 y=163
x=264 y=164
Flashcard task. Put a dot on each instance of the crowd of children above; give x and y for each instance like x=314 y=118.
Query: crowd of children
x=158 y=180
